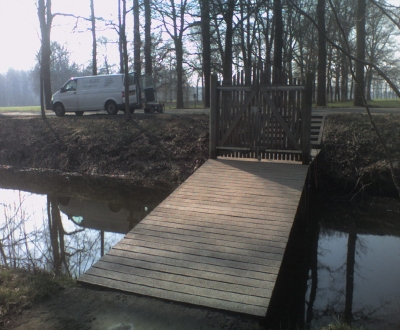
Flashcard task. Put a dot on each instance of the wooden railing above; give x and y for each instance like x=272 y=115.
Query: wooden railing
x=261 y=121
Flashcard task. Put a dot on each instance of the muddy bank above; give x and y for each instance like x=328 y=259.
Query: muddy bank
x=165 y=149
x=352 y=160
x=148 y=150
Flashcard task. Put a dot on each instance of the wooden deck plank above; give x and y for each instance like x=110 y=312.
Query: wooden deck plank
x=172 y=295
x=217 y=241
x=223 y=239
x=165 y=284
x=217 y=251
x=194 y=279
x=265 y=283
x=231 y=207
x=225 y=234
x=282 y=216
x=172 y=234
x=235 y=191
x=220 y=228
x=232 y=220
x=182 y=264
x=220 y=196
x=234 y=225
x=223 y=259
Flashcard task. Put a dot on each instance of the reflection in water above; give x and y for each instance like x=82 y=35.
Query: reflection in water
x=358 y=280
x=64 y=234
x=352 y=277
x=326 y=274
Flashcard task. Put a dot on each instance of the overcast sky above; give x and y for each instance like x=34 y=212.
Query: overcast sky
x=20 y=33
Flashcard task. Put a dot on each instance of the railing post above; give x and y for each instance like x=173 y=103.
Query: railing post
x=213 y=117
x=306 y=121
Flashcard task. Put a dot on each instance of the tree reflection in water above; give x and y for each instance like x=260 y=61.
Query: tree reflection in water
x=34 y=234
x=352 y=276
x=356 y=282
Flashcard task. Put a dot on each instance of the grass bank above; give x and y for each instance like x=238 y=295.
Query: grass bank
x=20 y=289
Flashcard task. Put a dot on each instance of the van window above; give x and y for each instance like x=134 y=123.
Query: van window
x=146 y=81
x=132 y=80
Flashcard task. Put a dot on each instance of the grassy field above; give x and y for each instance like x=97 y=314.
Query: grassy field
x=378 y=103
x=27 y=108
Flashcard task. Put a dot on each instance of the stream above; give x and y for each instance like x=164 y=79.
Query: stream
x=351 y=275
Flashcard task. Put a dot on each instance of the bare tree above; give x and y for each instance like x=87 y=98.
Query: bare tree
x=45 y=18
x=360 y=19
x=147 y=38
x=136 y=38
x=321 y=93
x=206 y=49
x=120 y=42
x=173 y=16
x=122 y=34
x=278 y=43
x=94 y=40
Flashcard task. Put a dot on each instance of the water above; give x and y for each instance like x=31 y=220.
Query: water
x=347 y=274
x=358 y=279
x=66 y=234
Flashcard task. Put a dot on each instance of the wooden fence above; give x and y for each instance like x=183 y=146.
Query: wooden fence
x=261 y=121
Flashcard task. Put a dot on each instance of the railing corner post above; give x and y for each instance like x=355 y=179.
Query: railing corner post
x=306 y=121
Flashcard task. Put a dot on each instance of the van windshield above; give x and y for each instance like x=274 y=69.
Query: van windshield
x=70 y=86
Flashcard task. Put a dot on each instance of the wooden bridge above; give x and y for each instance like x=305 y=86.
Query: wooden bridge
x=219 y=239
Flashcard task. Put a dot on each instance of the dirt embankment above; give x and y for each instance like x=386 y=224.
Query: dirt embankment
x=352 y=158
x=166 y=149
x=148 y=150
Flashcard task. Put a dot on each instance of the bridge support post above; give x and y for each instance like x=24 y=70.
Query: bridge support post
x=213 y=117
x=306 y=121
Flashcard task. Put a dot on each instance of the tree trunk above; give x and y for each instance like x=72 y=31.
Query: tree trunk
x=205 y=33
x=351 y=260
x=147 y=36
x=228 y=53
x=179 y=73
x=125 y=58
x=54 y=222
x=42 y=107
x=94 y=40
x=278 y=43
x=369 y=83
x=120 y=42
x=321 y=79
x=136 y=38
x=45 y=19
x=344 y=82
x=360 y=19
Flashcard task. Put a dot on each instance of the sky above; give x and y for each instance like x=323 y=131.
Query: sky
x=20 y=32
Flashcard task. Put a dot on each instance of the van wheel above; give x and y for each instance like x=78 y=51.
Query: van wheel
x=59 y=109
x=111 y=108
x=79 y=113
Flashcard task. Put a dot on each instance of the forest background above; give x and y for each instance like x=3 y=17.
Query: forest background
x=182 y=42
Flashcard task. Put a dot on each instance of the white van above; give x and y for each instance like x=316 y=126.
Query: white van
x=94 y=93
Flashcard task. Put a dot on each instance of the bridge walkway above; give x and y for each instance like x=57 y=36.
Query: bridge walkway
x=217 y=241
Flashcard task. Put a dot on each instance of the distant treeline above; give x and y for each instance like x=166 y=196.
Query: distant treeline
x=16 y=89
